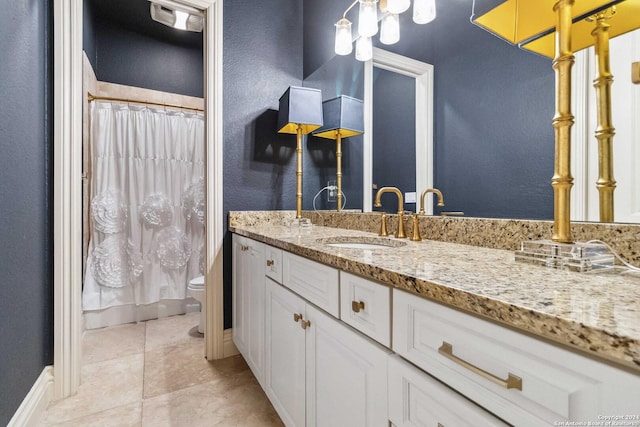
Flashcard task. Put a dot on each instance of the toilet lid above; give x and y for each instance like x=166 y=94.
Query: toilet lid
x=197 y=282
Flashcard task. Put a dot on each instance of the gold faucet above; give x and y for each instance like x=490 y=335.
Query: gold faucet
x=415 y=236
x=434 y=191
x=400 y=233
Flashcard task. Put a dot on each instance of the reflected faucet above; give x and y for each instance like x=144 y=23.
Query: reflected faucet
x=400 y=232
x=434 y=191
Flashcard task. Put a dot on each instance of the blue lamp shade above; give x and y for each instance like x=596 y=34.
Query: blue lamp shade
x=300 y=106
x=343 y=114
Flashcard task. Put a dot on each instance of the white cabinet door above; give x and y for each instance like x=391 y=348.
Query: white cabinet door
x=346 y=375
x=285 y=354
x=240 y=292
x=248 y=302
x=254 y=315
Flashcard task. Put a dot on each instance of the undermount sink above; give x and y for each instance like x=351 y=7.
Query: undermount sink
x=359 y=242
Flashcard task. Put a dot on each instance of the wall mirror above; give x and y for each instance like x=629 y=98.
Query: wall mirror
x=493 y=143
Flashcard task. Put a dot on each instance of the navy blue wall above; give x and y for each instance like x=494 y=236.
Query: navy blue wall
x=26 y=297
x=339 y=76
x=89 y=33
x=492 y=109
x=262 y=58
x=131 y=58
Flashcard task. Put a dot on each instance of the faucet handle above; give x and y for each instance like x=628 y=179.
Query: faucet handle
x=415 y=235
x=383 y=226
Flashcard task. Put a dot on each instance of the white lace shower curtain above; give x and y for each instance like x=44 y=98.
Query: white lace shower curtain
x=147 y=204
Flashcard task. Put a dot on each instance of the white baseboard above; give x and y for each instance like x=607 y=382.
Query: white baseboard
x=35 y=403
x=229 y=348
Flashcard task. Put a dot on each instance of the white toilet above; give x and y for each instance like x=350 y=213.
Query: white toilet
x=196 y=290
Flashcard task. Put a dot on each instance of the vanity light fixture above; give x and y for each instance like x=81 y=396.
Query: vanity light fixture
x=364 y=49
x=390 y=29
x=344 y=40
x=300 y=113
x=424 y=11
x=343 y=117
x=368 y=18
x=177 y=15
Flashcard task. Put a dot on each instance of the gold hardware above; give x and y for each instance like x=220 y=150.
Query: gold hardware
x=270 y=262
x=297 y=317
x=383 y=225
x=339 y=170
x=299 y=172
x=356 y=306
x=451 y=213
x=434 y=191
x=415 y=235
x=440 y=425
x=400 y=234
x=244 y=248
x=562 y=181
x=605 y=131
x=305 y=324
x=635 y=72
x=512 y=381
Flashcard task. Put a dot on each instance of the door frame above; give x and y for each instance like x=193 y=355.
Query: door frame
x=423 y=73
x=67 y=187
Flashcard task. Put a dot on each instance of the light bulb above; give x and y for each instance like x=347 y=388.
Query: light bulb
x=181 y=20
x=364 y=49
x=424 y=11
x=368 y=18
x=390 y=29
x=398 y=6
x=344 y=41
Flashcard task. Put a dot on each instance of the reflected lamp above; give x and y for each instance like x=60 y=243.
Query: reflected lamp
x=300 y=112
x=343 y=117
x=522 y=21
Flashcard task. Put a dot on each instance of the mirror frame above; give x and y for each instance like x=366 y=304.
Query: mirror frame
x=423 y=74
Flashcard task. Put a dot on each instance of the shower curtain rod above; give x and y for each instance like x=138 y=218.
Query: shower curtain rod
x=160 y=104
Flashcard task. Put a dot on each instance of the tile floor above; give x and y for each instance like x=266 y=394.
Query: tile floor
x=154 y=374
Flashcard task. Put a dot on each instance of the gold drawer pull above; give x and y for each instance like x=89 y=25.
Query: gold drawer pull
x=513 y=381
x=270 y=262
x=244 y=248
x=356 y=306
x=305 y=324
x=297 y=317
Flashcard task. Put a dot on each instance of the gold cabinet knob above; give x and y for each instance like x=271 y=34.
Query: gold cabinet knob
x=305 y=324
x=356 y=306
x=297 y=317
x=270 y=262
x=244 y=248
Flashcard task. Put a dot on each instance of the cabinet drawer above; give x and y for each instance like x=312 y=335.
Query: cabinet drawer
x=273 y=263
x=313 y=281
x=481 y=359
x=417 y=399
x=366 y=306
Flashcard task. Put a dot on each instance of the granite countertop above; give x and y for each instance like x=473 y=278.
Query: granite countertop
x=595 y=313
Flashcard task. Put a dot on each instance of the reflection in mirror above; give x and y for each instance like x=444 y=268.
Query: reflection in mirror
x=493 y=105
x=398 y=88
x=625 y=110
x=394 y=136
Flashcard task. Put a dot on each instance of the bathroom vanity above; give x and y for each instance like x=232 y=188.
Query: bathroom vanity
x=369 y=331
